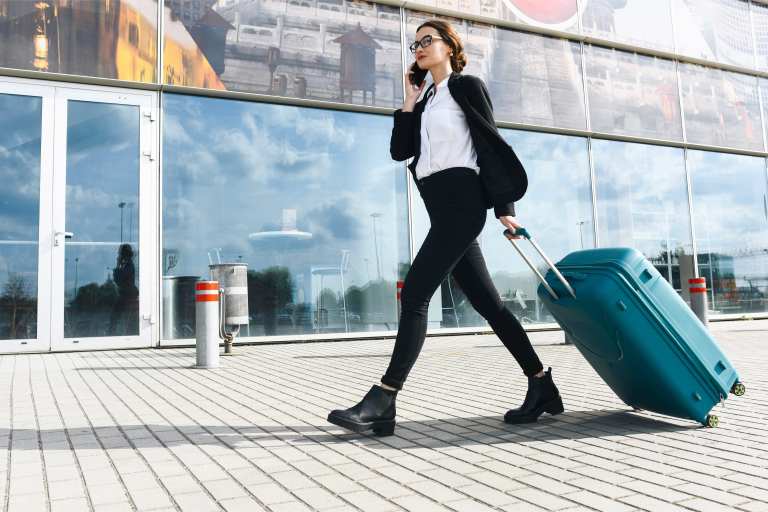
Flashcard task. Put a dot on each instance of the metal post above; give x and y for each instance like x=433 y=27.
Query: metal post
x=207 y=323
x=697 y=286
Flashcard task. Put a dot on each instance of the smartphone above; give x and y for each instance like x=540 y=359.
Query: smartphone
x=418 y=74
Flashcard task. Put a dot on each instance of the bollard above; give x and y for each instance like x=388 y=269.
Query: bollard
x=698 y=289
x=207 y=322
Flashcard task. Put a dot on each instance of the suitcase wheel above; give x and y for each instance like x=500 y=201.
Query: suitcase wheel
x=738 y=389
x=712 y=421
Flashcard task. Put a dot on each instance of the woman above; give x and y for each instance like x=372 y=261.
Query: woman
x=462 y=167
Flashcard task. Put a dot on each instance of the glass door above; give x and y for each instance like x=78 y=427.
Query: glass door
x=26 y=112
x=104 y=220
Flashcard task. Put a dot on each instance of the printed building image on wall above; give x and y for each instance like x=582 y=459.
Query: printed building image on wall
x=104 y=38
x=320 y=49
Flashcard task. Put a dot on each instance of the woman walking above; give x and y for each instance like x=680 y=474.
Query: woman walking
x=462 y=167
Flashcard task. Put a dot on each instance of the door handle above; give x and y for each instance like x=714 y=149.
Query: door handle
x=58 y=234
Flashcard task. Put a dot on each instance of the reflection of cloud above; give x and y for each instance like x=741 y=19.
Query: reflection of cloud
x=334 y=221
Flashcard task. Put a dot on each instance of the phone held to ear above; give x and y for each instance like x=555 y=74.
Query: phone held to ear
x=417 y=75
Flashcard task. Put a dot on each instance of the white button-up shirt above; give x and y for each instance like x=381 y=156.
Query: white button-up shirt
x=445 y=138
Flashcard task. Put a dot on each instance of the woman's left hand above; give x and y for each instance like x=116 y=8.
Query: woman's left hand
x=510 y=221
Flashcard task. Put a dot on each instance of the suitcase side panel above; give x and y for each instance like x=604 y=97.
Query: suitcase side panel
x=633 y=328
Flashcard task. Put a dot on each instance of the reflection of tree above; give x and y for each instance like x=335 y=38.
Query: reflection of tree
x=376 y=300
x=16 y=298
x=268 y=292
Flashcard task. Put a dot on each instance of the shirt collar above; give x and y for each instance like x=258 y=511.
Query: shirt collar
x=443 y=80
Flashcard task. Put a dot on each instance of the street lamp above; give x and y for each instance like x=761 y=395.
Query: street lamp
x=375 y=216
x=581 y=236
x=121 y=205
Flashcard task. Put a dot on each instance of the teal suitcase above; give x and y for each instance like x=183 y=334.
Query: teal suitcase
x=636 y=332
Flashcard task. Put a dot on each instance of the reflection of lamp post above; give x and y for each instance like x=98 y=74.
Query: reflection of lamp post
x=130 y=222
x=375 y=216
x=581 y=236
x=273 y=56
x=77 y=260
x=40 y=40
x=121 y=205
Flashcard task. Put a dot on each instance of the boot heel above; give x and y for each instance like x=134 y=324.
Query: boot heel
x=555 y=406
x=386 y=429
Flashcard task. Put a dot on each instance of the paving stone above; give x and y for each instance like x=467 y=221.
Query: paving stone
x=146 y=438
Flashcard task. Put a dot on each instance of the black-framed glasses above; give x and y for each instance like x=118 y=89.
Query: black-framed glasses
x=424 y=42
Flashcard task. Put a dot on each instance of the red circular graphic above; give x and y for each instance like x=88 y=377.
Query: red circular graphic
x=546 y=11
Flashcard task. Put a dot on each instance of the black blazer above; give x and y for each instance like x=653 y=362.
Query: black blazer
x=501 y=173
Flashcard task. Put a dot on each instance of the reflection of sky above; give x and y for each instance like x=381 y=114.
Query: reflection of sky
x=20 y=190
x=729 y=194
x=641 y=196
x=102 y=172
x=231 y=169
x=20 y=166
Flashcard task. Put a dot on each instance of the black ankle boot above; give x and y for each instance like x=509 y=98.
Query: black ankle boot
x=542 y=396
x=376 y=411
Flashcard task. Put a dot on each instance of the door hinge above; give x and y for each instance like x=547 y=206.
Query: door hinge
x=149 y=317
x=150 y=114
x=150 y=155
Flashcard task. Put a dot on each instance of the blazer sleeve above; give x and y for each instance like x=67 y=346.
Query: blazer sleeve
x=401 y=144
x=480 y=99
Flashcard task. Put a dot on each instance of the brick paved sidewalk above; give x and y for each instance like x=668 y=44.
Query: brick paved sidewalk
x=141 y=430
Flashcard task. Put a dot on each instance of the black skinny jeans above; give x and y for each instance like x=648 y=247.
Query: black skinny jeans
x=454 y=201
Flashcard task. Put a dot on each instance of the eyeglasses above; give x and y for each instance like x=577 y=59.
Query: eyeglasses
x=425 y=41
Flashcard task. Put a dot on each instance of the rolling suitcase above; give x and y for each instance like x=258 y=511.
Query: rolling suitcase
x=636 y=332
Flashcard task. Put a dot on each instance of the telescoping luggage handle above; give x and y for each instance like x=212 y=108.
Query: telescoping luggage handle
x=524 y=233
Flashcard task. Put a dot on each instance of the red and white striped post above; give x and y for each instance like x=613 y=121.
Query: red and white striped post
x=697 y=286
x=399 y=291
x=207 y=323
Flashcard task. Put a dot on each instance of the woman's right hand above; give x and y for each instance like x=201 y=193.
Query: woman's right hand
x=411 y=91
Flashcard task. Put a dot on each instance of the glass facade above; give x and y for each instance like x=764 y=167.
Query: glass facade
x=532 y=79
x=645 y=23
x=642 y=202
x=309 y=197
x=20 y=148
x=721 y=108
x=557 y=210
x=730 y=213
x=317 y=49
x=317 y=213
x=632 y=94
x=101 y=38
x=101 y=264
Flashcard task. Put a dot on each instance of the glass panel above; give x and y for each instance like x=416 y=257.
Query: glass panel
x=642 y=202
x=532 y=79
x=717 y=30
x=645 y=23
x=19 y=214
x=103 y=38
x=552 y=14
x=633 y=94
x=101 y=273
x=557 y=209
x=310 y=199
x=730 y=212
x=760 y=28
x=721 y=108
x=320 y=49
